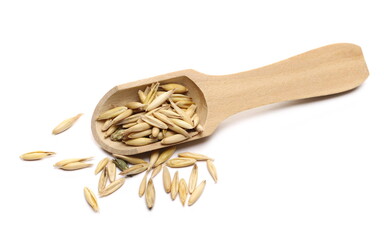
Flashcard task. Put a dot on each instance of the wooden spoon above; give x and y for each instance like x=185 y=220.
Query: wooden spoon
x=327 y=70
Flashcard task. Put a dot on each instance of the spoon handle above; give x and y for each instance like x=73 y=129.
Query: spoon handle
x=323 y=71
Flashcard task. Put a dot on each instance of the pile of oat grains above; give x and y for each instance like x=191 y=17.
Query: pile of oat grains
x=167 y=116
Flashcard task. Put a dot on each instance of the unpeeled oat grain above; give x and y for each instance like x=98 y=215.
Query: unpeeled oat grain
x=64 y=125
x=120 y=164
x=129 y=159
x=101 y=165
x=140 y=141
x=91 y=199
x=163 y=118
x=156 y=171
x=135 y=105
x=143 y=185
x=182 y=124
x=135 y=169
x=198 y=157
x=110 y=130
x=178 y=87
x=36 y=155
x=199 y=128
x=183 y=193
x=196 y=193
x=153 y=158
x=152 y=93
x=75 y=166
x=166 y=179
x=112 y=113
x=137 y=128
x=142 y=96
x=71 y=160
x=144 y=133
x=212 y=170
x=165 y=156
x=102 y=180
x=193 y=179
x=183 y=115
x=155 y=132
x=111 y=170
x=159 y=100
x=177 y=129
x=169 y=113
x=150 y=194
x=173 y=139
x=112 y=187
x=175 y=185
x=191 y=110
x=154 y=122
x=180 y=162
x=120 y=117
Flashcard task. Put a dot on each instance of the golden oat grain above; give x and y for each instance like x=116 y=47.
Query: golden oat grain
x=140 y=141
x=183 y=191
x=142 y=96
x=112 y=113
x=169 y=113
x=183 y=115
x=159 y=100
x=111 y=170
x=135 y=105
x=135 y=169
x=102 y=180
x=75 y=166
x=180 y=162
x=173 y=139
x=198 y=157
x=212 y=170
x=154 y=122
x=36 y=155
x=175 y=185
x=110 y=130
x=196 y=193
x=91 y=199
x=165 y=156
x=144 y=133
x=153 y=158
x=178 y=87
x=191 y=110
x=166 y=179
x=156 y=171
x=150 y=194
x=193 y=179
x=101 y=165
x=112 y=187
x=155 y=132
x=64 y=125
x=71 y=160
x=143 y=185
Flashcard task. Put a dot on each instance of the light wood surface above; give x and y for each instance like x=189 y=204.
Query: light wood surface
x=323 y=71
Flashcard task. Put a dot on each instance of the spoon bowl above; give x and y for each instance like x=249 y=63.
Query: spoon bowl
x=324 y=71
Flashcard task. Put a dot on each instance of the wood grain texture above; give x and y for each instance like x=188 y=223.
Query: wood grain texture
x=323 y=71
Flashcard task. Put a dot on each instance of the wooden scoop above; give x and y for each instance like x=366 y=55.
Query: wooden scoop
x=327 y=70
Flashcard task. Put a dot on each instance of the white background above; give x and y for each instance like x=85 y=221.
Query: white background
x=309 y=169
